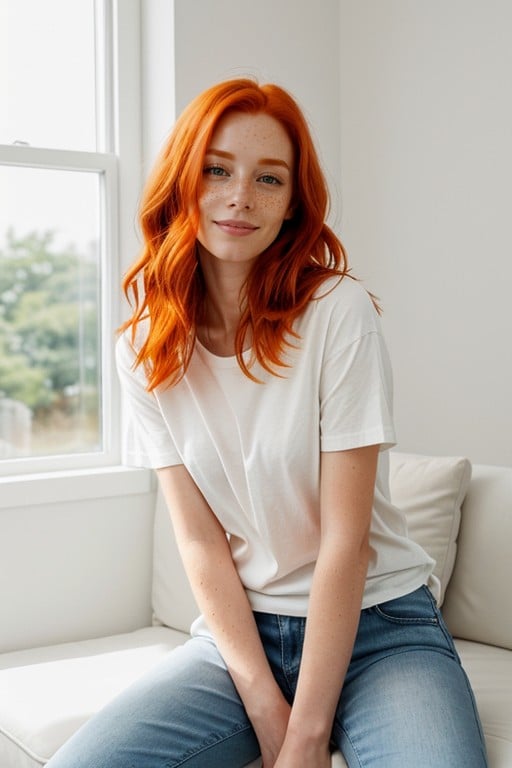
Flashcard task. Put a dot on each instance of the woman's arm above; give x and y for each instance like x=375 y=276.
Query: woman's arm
x=347 y=488
x=221 y=598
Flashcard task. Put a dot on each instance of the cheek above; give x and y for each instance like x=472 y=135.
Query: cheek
x=276 y=206
x=207 y=197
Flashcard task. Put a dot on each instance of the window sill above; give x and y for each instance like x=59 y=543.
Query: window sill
x=73 y=485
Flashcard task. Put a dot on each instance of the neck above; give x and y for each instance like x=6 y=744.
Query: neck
x=224 y=282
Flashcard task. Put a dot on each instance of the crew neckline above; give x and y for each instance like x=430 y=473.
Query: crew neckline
x=219 y=361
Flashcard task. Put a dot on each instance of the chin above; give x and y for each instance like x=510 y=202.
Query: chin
x=230 y=257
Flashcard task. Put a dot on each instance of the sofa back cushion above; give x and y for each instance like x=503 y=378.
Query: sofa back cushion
x=430 y=491
x=478 y=603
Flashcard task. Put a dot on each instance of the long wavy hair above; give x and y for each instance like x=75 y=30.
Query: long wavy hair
x=166 y=286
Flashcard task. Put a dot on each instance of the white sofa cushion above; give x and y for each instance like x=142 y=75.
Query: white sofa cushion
x=478 y=602
x=430 y=490
x=490 y=672
x=47 y=693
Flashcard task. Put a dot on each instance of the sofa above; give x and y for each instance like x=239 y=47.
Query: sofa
x=462 y=515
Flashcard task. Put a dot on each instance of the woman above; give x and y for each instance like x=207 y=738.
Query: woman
x=259 y=388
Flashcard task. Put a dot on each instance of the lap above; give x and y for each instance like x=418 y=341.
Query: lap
x=405 y=701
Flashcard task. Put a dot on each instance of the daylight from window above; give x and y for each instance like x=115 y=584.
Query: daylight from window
x=47 y=77
x=50 y=232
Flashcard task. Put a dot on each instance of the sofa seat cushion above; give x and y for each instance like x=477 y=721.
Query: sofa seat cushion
x=490 y=671
x=47 y=693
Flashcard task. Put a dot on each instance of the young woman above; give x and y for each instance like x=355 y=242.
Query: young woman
x=259 y=388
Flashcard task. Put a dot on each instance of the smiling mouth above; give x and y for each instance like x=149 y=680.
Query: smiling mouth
x=235 y=227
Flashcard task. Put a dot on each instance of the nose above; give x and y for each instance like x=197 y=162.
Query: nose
x=241 y=196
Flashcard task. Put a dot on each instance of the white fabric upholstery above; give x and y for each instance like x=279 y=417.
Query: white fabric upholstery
x=490 y=672
x=47 y=693
x=430 y=490
x=478 y=602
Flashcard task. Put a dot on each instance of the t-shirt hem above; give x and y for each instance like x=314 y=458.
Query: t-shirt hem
x=385 y=438
x=397 y=585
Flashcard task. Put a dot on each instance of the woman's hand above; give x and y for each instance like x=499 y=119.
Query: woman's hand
x=270 y=728
x=311 y=755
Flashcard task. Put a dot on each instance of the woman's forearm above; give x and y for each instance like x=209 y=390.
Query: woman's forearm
x=347 y=486
x=333 y=617
x=219 y=593
x=222 y=599
x=224 y=604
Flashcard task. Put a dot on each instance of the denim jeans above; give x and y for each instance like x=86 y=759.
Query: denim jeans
x=406 y=701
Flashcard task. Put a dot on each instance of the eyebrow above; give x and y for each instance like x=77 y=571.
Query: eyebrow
x=262 y=161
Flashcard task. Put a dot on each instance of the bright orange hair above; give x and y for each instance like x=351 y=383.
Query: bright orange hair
x=166 y=282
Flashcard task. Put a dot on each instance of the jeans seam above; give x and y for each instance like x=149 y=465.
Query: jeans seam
x=285 y=667
x=435 y=620
x=451 y=644
x=205 y=747
x=404 y=622
x=442 y=626
x=476 y=714
x=353 y=746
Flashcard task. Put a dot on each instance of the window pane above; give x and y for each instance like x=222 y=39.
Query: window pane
x=49 y=312
x=47 y=73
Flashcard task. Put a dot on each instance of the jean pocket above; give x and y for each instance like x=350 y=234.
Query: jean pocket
x=418 y=607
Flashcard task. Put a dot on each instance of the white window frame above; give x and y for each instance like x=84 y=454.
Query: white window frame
x=93 y=475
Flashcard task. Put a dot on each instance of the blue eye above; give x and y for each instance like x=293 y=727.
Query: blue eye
x=267 y=178
x=215 y=170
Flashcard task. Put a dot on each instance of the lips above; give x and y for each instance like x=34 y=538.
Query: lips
x=236 y=227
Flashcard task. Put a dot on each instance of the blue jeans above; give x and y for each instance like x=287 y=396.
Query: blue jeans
x=406 y=701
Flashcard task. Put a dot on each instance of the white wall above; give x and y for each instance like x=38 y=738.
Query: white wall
x=426 y=175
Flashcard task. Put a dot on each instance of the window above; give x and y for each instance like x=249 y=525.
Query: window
x=69 y=180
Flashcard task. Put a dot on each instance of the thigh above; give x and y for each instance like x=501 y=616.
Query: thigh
x=407 y=701
x=184 y=712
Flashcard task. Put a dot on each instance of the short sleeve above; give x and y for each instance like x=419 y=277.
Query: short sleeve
x=147 y=441
x=356 y=395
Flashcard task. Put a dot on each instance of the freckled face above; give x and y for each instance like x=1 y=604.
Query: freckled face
x=246 y=189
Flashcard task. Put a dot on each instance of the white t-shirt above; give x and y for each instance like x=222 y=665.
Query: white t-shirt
x=254 y=449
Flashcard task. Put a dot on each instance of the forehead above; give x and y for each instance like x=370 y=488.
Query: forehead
x=259 y=133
